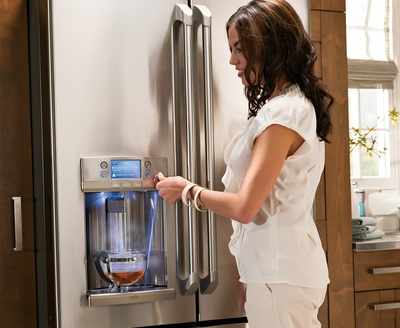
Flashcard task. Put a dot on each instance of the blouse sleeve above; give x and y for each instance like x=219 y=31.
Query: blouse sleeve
x=295 y=113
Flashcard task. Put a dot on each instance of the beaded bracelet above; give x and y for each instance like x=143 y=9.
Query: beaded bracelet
x=185 y=191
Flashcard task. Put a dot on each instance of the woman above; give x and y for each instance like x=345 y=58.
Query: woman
x=273 y=168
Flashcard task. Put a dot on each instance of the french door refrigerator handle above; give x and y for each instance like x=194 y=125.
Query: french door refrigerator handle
x=183 y=14
x=202 y=16
x=17 y=202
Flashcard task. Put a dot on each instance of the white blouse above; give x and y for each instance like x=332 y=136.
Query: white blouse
x=282 y=244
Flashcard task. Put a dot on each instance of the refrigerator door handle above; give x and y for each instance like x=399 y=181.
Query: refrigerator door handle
x=183 y=14
x=202 y=17
x=17 y=201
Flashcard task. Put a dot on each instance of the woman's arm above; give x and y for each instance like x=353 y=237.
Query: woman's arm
x=269 y=152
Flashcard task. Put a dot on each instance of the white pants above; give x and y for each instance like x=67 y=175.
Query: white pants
x=283 y=306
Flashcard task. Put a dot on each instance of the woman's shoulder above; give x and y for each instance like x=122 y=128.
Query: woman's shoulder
x=293 y=100
x=291 y=109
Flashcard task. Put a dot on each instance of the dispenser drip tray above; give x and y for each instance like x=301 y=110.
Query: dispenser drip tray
x=130 y=295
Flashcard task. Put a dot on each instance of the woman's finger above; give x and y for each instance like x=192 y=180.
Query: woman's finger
x=160 y=176
x=169 y=191
x=170 y=197
x=171 y=182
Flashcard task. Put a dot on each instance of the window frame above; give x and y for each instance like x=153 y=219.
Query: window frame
x=371 y=74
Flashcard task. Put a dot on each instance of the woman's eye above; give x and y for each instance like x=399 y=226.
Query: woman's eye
x=238 y=50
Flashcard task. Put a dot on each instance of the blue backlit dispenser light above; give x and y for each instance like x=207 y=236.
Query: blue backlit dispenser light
x=125 y=229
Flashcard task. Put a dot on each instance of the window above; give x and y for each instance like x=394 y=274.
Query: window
x=371 y=52
x=369 y=29
x=369 y=121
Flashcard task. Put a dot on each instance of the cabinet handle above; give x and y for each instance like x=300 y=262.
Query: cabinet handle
x=17 y=224
x=385 y=306
x=387 y=270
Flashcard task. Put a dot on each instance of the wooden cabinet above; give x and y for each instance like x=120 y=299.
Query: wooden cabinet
x=17 y=274
x=378 y=309
x=377 y=285
x=328 y=34
x=376 y=270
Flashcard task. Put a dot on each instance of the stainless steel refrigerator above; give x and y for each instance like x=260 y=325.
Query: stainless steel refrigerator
x=146 y=78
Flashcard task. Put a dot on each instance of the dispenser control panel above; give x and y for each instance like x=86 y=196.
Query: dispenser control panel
x=116 y=173
x=126 y=169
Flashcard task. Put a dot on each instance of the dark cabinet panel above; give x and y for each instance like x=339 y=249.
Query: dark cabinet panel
x=18 y=290
x=15 y=122
x=17 y=274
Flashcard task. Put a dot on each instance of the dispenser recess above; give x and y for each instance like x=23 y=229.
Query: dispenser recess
x=125 y=229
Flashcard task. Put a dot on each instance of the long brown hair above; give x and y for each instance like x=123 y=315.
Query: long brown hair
x=275 y=44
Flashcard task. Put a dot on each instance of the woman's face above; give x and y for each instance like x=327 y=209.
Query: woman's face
x=237 y=58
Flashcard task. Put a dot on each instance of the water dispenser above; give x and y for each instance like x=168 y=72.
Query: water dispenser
x=125 y=229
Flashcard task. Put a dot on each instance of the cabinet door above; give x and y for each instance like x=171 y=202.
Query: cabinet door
x=376 y=270
x=378 y=309
x=17 y=274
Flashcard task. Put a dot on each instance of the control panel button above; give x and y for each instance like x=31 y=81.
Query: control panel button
x=103 y=165
x=147 y=173
x=104 y=174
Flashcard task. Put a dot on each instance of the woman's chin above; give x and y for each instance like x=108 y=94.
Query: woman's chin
x=244 y=82
x=243 y=79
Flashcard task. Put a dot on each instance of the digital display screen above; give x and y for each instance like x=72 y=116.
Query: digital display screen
x=125 y=169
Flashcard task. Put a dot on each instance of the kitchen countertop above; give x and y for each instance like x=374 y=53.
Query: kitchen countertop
x=387 y=242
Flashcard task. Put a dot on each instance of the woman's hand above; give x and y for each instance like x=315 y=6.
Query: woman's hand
x=170 y=188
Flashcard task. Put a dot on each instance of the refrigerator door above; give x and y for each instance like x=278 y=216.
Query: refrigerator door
x=219 y=298
x=112 y=95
